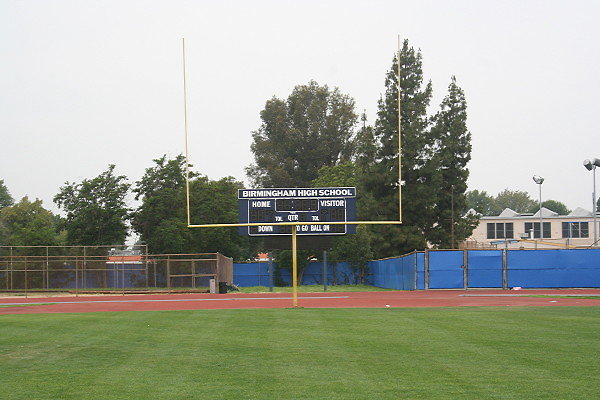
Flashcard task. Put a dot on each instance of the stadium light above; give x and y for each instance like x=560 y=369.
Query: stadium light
x=591 y=165
x=539 y=180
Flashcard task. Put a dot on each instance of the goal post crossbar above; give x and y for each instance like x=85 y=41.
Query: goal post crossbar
x=189 y=223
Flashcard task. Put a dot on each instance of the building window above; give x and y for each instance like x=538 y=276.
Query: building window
x=536 y=229
x=575 y=230
x=500 y=230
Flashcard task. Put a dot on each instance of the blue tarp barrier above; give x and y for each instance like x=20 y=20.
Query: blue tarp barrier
x=251 y=274
x=485 y=269
x=256 y=274
x=554 y=268
x=420 y=270
x=394 y=273
x=445 y=270
x=525 y=268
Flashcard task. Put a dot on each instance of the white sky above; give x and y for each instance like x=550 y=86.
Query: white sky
x=84 y=84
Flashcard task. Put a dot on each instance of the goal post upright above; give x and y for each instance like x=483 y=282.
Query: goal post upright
x=399 y=141
x=294 y=268
x=295 y=223
x=185 y=127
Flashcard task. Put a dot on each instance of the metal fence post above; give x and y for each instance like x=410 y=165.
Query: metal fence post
x=26 y=277
x=504 y=269
x=11 y=269
x=325 y=270
x=270 y=268
x=76 y=276
x=416 y=269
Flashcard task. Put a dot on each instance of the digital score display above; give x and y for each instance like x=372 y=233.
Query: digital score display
x=273 y=206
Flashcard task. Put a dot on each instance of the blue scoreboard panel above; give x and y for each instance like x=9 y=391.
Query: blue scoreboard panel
x=337 y=204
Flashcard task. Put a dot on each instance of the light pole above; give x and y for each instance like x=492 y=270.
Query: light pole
x=591 y=165
x=539 y=180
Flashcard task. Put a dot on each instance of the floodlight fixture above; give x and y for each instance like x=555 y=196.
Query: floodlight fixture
x=591 y=165
x=539 y=180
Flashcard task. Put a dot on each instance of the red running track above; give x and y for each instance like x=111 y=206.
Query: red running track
x=430 y=298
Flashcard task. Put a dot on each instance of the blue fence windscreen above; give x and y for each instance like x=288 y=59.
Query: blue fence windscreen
x=485 y=268
x=420 y=271
x=445 y=270
x=257 y=274
x=554 y=268
x=394 y=273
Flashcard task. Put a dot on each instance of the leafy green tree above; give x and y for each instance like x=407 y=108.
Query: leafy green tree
x=161 y=219
x=28 y=223
x=479 y=201
x=96 y=211
x=552 y=205
x=5 y=197
x=516 y=200
x=312 y=129
x=214 y=202
x=342 y=175
x=381 y=180
x=453 y=151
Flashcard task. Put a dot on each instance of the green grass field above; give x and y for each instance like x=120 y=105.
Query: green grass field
x=427 y=353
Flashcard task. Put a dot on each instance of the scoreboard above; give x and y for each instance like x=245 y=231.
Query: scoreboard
x=271 y=206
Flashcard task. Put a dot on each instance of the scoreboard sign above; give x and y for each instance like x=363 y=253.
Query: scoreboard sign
x=337 y=204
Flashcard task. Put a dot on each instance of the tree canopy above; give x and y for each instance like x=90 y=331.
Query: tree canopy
x=516 y=200
x=479 y=201
x=161 y=219
x=5 y=197
x=452 y=144
x=435 y=152
x=28 y=223
x=96 y=209
x=552 y=205
x=312 y=129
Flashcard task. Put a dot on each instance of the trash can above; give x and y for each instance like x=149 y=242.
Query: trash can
x=222 y=287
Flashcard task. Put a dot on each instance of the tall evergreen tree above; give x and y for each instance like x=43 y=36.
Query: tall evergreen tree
x=452 y=144
x=381 y=180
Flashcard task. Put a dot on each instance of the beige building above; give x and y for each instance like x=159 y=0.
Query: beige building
x=522 y=231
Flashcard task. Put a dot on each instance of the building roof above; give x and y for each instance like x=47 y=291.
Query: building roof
x=508 y=213
x=471 y=211
x=545 y=213
x=580 y=212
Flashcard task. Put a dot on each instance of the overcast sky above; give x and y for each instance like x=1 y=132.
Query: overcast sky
x=85 y=84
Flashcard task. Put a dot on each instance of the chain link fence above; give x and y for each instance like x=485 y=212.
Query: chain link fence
x=107 y=268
